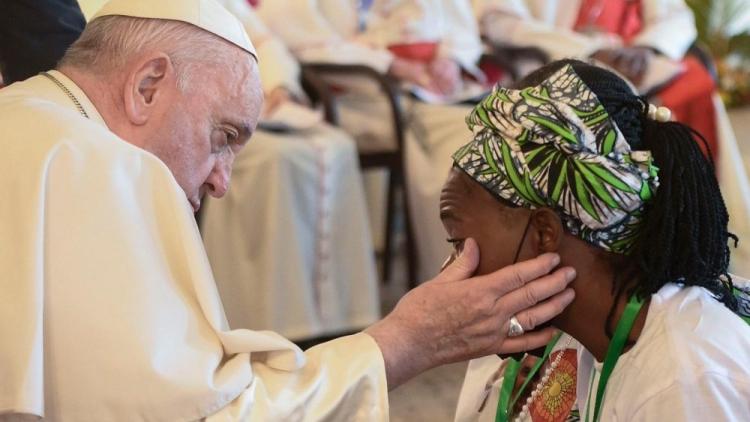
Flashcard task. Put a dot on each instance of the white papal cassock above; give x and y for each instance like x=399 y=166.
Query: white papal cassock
x=345 y=31
x=109 y=310
x=290 y=243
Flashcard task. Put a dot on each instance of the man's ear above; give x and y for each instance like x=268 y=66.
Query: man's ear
x=147 y=84
x=546 y=230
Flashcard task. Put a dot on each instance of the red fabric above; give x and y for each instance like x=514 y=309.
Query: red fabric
x=619 y=17
x=559 y=393
x=254 y=3
x=690 y=99
x=492 y=72
x=689 y=96
x=424 y=52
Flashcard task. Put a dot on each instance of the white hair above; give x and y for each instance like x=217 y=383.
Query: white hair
x=110 y=42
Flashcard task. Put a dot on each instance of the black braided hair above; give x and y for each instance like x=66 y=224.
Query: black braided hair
x=684 y=236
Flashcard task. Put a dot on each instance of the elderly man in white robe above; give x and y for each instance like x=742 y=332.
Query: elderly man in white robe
x=433 y=47
x=293 y=256
x=108 y=308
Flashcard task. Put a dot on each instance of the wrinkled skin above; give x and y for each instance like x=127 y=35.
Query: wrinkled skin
x=196 y=131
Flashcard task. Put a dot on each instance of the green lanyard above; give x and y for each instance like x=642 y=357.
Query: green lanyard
x=622 y=332
x=513 y=367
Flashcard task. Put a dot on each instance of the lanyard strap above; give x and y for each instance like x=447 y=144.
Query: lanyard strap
x=622 y=332
x=504 y=402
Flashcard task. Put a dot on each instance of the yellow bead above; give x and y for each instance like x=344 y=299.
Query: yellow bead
x=663 y=114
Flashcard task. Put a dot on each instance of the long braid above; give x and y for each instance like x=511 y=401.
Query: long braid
x=684 y=235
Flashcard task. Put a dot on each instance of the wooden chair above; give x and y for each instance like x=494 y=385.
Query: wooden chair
x=318 y=74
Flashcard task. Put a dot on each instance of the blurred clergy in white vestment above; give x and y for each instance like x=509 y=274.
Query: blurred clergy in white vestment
x=293 y=256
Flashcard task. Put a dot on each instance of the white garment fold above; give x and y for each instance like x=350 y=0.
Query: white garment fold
x=108 y=308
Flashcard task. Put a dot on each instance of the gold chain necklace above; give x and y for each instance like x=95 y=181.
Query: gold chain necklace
x=68 y=93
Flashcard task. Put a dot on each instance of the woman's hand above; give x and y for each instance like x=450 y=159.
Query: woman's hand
x=411 y=71
x=446 y=75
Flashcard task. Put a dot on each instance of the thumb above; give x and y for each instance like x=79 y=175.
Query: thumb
x=465 y=265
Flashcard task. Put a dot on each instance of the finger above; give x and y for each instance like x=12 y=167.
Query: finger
x=536 y=291
x=464 y=266
x=441 y=85
x=527 y=341
x=544 y=311
x=514 y=276
x=445 y=82
x=423 y=79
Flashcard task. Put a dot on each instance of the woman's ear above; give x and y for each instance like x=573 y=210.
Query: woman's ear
x=546 y=230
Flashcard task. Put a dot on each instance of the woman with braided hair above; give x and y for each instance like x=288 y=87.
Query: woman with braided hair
x=574 y=162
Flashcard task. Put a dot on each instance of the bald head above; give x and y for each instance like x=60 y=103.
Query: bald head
x=186 y=95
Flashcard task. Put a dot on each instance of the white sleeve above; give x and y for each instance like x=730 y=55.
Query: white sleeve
x=710 y=397
x=512 y=22
x=668 y=27
x=305 y=29
x=342 y=380
x=460 y=36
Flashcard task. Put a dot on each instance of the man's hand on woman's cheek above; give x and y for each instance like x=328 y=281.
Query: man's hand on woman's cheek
x=456 y=317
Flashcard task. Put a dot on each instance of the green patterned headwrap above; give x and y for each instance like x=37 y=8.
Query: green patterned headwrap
x=554 y=145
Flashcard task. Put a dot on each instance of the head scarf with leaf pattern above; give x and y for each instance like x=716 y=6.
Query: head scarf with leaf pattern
x=554 y=145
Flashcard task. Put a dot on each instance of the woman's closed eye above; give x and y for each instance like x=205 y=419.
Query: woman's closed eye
x=458 y=246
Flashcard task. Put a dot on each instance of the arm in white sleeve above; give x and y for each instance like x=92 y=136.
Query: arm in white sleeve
x=306 y=30
x=342 y=380
x=668 y=27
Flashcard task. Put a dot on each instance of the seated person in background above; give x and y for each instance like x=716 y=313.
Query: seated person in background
x=642 y=40
x=625 y=35
x=313 y=273
x=577 y=164
x=433 y=45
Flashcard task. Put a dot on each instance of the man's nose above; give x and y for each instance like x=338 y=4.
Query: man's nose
x=218 y=180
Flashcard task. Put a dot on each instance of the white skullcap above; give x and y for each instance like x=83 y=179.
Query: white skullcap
x=205 y=14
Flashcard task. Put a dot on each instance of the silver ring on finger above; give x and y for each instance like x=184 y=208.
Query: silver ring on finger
x=514 y=329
